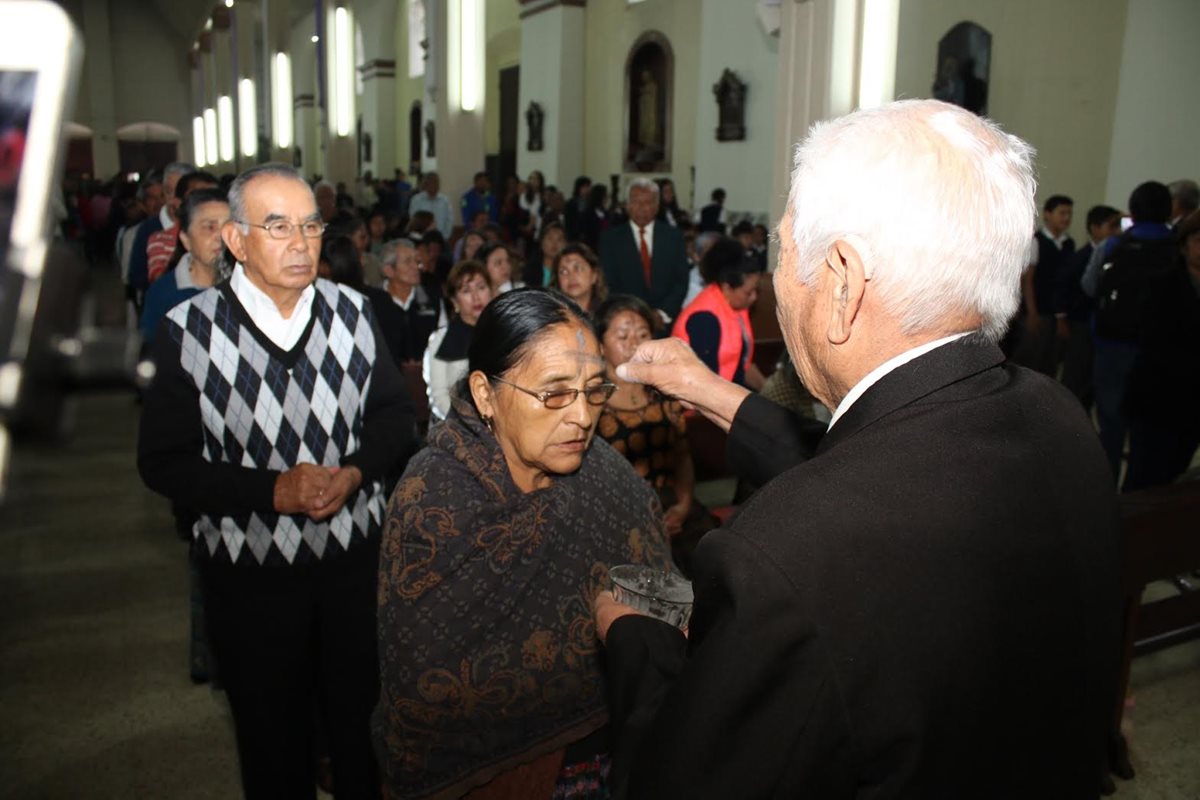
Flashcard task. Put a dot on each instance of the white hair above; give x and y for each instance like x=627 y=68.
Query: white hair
x=938 y=202
x=237 y=190
x=391 y=250
x=641 y=183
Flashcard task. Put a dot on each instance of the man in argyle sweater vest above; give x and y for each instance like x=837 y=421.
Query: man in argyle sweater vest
x=274 y=414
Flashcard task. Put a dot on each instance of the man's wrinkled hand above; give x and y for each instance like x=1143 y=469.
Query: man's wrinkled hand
x=300 y=488
x=344 y=481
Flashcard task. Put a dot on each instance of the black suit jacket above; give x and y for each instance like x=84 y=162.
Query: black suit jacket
x=406 y=332
x=621 y=258
x=927 y=608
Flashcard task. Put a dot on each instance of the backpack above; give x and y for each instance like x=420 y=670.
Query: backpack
x=1127 y=283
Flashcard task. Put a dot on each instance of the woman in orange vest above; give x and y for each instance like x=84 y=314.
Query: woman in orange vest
x=717 y=323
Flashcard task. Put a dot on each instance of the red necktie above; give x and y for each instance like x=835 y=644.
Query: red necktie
x=645 y=256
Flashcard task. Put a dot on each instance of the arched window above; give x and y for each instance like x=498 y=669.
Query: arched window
x=649 y=86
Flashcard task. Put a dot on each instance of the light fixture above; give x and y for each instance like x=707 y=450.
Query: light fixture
x=229 y=3
x=315 y=38
x=210 y=136
x=198 y=141
x=248 y=117
x=282 y=97
x=340 y=57
x=470 y=49
x=225 y=126
x=877 y=64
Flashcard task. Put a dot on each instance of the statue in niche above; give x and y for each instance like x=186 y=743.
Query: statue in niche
x=648 y=102
x=963 y=63
x=731 y=105
x=297 y=157
x=430 y=139
x=648 y=127
x=366 y=147
x=534 y=117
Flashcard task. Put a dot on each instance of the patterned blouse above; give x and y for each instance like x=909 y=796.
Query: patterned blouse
x=647 y=437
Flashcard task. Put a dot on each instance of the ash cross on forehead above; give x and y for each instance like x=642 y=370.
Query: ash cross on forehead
x=581 y=354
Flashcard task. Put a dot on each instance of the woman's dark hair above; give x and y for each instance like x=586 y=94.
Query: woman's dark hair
x=598 y=196
x=512 y=322
x=529 y=192
x=551 y=226
x=726 y=262
x=580 y=182
x=342 y=257
x=600 y=289
x=485 y=252
x=462 y=272
x=618 y=304
x=187 y=210
x=344 y=225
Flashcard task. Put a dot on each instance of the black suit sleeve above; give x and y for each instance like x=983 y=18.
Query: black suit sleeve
x=766 y=440
x=750 y=710
x=704 y=335
x=673 y=301
x=389 y=432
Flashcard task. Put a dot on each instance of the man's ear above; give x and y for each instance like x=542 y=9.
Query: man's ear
x=848 y=285
x=481 y=391
x=235 y=240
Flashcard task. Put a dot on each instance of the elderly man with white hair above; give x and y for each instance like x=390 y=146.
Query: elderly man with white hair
x=643 y=258
x=928 y=606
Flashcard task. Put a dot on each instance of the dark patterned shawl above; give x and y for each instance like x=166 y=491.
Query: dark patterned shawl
x=488 y=653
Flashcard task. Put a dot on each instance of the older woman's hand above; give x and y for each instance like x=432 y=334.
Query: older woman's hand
x=671 y=366
x=607 y=610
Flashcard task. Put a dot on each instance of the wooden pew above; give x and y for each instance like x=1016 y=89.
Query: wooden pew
x=1161 y=541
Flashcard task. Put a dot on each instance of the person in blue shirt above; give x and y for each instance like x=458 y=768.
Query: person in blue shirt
x=480 y=198
x=1150 y=207
x=195 y=266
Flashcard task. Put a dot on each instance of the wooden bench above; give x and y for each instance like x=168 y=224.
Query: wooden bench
x=1161 y=541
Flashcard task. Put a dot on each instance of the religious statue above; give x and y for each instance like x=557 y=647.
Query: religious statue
x=534 y=116
x=648 y=105
x=963 y=60
x=647 y=110
x=731 y=106
x=430 y=139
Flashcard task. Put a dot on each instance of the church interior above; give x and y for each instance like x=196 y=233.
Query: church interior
x=709 y=95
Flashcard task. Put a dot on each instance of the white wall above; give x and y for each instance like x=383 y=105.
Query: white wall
x=1157 y=123
x=151 y=76
x=612 y=28
x=1053 y=79
x=552 y=60
x=731 y=36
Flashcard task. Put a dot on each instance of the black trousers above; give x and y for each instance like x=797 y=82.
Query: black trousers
x=294 y=642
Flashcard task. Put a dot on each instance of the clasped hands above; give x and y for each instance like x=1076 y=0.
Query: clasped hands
x=320 y=492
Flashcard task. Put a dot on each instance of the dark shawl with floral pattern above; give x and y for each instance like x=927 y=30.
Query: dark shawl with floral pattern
x=488 y=652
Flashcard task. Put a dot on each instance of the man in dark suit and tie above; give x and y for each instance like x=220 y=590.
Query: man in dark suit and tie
x=928 y=606
x=643 y=258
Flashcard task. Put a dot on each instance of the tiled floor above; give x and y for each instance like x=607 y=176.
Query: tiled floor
x=93 y=642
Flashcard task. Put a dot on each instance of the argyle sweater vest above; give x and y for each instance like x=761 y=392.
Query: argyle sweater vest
x=259 y=413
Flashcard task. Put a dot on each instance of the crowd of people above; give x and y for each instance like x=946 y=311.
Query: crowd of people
x=406 y=441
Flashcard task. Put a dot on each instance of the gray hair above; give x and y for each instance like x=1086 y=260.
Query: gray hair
x=641 y=183
x=237 y=190
x=151 y=178
x=944 y=230
x=177 y=169
x=389 y=253
x=1186 y=193
x=323 y=184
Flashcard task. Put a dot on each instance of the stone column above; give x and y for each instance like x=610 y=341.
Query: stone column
x=377 y=103
x=552 y=75
x=95 y=30
x=459 y=134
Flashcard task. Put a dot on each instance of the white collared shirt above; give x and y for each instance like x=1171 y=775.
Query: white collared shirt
x=637 y=240
x=412 y=295
x=262 y=309
x=874 y=376
x=1035 y=252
